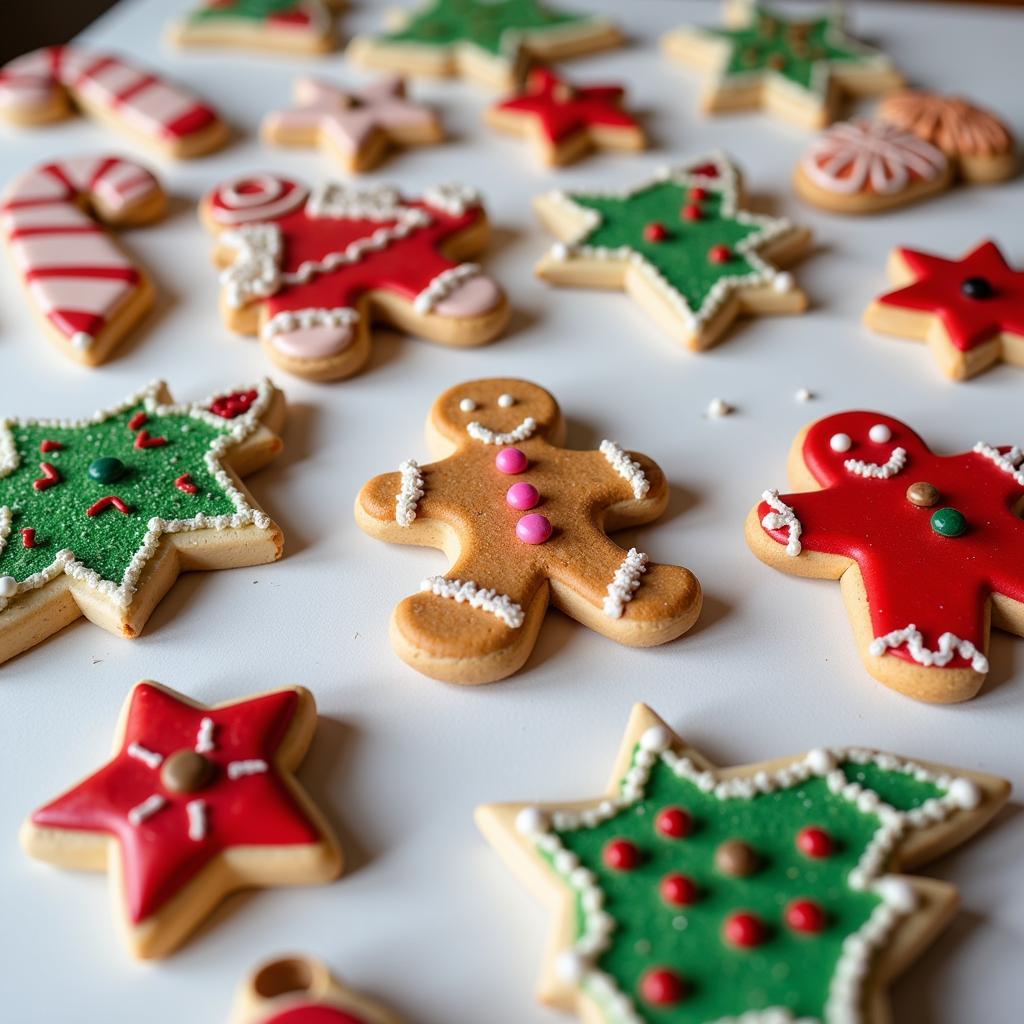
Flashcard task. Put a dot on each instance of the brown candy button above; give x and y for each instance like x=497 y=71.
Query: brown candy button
x=737 y=858
x=185 y=771
x=923 y=494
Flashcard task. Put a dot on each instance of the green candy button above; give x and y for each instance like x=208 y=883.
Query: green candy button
x=948 y=522
x=106 y=470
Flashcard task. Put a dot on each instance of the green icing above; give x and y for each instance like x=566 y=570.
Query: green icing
x=106 y=542
x=252 y=10
x=790 y=970
x=494 y=27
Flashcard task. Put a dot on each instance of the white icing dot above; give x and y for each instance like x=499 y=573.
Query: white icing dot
x=783 y=282
x=656 y=739
x=821 y=762
x=963 y=793
x=505 y=401
x=570 y=966
x=880 y=433
x=8 y=586
x=898 y=893
x=531 y=820
x=81 y=340
x=840 y=442
x=717 y=408
x=467 y=405
x=803 y=395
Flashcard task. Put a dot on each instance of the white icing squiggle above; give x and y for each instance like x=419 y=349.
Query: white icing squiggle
x=479 y=432
x=950 y=645
x=410 y=493
x=254 y=274
x=196 y=811
x=783 y=517
x=625 y=583
x=484 y=598
x=876 y=470
x=204 y=737
x=239 y=769
x=303 y=319
x=629 y=469
x=150 y=758
x=443 y=285
x=1008 y=462
x=140 y=812
x=452 y=198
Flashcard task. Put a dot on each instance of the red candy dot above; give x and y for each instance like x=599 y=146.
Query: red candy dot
x=805 y=916
x=692 y=212
x=655 y=232
x=743 y=929
x=621 y=855
x=661 y=986
x=698 y=194
x=673 y=822
x=510 y=461
x=719 y=254
x=814 y=842
x=679 y=890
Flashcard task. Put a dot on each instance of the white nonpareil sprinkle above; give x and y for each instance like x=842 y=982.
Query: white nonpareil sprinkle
x=717 y=408
x=803 y=395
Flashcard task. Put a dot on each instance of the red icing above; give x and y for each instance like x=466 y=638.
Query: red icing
x=968 y=322
x=51 y=476
x=621 y=855
x=673 y=822
x=560 y=109
x=814 y=842
x=51 y=446
x=805 y=916
x=138 y=420
x=308 y=1013
x=235 y=404
x=912 y=574
x=158 y=856
x=185 y=484
x=744 y=930
x=143 y=440
x=109 y=501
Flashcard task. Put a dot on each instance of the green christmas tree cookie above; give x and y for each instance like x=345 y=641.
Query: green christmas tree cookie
x=99 y=515
x=766 y=894
x=681 y=245
x=292 y=25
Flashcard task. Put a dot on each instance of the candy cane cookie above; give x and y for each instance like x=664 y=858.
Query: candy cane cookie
x=87 y=291
x=47 y=85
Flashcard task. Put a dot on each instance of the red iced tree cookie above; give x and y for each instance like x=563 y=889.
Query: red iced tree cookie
x=195 y=803
x=970 y=311
x=525 y=523
x=309 y=272
x=926 y=547
x=565 y=121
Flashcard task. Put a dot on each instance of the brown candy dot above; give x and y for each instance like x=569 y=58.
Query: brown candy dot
x=737 y=858
x=185 y=771
x=777 y=61
x=923 y=494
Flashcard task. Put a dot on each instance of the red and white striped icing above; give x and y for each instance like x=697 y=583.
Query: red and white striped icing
x=136 y=97
x=77 y=276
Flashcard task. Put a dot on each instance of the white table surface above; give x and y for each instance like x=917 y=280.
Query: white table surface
x=426 y=915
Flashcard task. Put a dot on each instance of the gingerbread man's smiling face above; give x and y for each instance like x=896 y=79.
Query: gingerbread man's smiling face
x=498 y=411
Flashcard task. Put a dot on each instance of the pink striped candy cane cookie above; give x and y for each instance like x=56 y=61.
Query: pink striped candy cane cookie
x=47 y=84
x=88 y=292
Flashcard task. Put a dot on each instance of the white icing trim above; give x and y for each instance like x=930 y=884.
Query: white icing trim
x=1008 y=462
x=410 y=492
x=150 y=806
x=289 y=320
x=255 y=271
x=443 y=285
x=629 y=469
x=876 y=470
x=625 y=583
x=150 y=758
x=950 y=645
x=453 y=198
x=204 y=737
x=466 y=591
x=252 y=766
x=197 y=823
x=783 y=517
x=524 y=431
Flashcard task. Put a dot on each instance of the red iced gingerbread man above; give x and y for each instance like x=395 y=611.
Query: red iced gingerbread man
x=308 y=271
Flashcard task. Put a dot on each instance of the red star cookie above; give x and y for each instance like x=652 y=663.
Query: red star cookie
x=565 y=121
x=970 y=311
x=195 y=803
x=927 y=547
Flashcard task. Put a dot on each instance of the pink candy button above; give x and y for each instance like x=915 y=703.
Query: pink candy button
x=510 y=461
x=533 y=529
x=522 y=496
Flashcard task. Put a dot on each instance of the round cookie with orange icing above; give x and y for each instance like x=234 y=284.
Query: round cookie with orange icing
x=524 y=522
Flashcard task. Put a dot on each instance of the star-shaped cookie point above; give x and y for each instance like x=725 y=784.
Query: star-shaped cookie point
x=681 y=244
x=797 y=68
x=356 y=127
x=565 y=121
x=698 y=894
x=99 y=515
x=970 y=311
x=926 y=547
x=491 y=41
x=196 y=802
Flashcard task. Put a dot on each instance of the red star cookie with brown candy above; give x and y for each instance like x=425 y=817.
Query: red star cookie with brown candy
x=566 y=121
x=310 y=270
x=196 y=803
x=301 y=990
x=524 y=522
x=970 y=311
x=926 y=547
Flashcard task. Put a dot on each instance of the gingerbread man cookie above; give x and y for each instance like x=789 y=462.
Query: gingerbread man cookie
x=970 y=311
x=798 y=68
x=524 y=522
x=926 y=547
x=680 y=244
x=98 y=516
x=309 y=271
x=356 y=128
x=490 y=41
x=86 y=291
x=294 y=26
x=301 y=990
x=566 y=121
x=195 y=803
x=768 y=892
x=48 y=84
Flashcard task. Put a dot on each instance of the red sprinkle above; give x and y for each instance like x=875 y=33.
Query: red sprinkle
x=51 y=476
x=661 y=986
x=692 y=212
x=143 y=440
x=138 y=420
x=621 y=855
x=719 y=254
x=655 y=231
x=104 y=503
x=814 y=842
x=51 y=446
x=184 y=483
x=673 y=822
x=805 y=916
x=743 y=929
x=678 y=890
x=28 y=537
x=698 y=194
x=230 y=406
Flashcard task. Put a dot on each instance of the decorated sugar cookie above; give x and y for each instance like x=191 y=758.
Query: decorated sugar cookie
x=99 y=515
x=970 y=311
x=681 y=244
x=769 y=892
x=524 y=522
x=974 y=139
x=47 y=85
x=85 y=289
x=302 y=26
x=926 y=547
x=797 y=68
x=490 y=41
x=309 y=271
x=356 y=128
x=565 y=121
x=301 y=990
x=196 y=803
x=865 y=166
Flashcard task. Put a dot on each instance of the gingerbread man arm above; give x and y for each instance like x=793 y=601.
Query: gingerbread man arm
x=397 y=506
x=639 y=490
